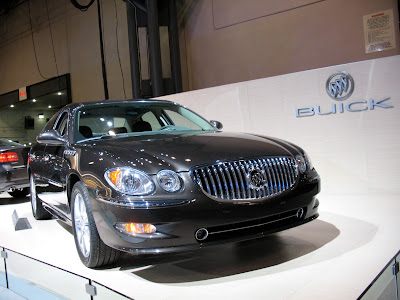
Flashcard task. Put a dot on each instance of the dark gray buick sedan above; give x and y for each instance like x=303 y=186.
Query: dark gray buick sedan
x=149 y=176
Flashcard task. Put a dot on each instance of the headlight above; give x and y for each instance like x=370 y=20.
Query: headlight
x=169 y=181
x=303 y=163
x=308 y=162
x=130 y=181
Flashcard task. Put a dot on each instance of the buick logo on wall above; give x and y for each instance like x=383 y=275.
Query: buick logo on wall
x=256 y=179
x=340 y=86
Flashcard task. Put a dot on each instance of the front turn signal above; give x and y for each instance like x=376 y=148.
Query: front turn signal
x=136 y=228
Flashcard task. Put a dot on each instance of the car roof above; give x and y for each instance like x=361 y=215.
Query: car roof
x=9 y=143
x=90 y=103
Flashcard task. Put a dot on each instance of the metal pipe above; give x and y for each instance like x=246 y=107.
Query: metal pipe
x=103 y=64
x=174 y=47
x=133 y=51
x=154 y=48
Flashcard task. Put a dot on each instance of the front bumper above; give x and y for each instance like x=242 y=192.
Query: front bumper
x=224 y=222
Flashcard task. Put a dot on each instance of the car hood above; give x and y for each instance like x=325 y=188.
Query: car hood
x=182 y=151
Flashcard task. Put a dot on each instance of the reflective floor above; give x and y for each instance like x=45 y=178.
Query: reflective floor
x=334 y=257
x=6 y=294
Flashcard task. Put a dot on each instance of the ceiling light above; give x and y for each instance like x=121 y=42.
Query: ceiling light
x=49 y=106
x=12 y=105
x=59 y=94
x=33 y=100
x=41 y=116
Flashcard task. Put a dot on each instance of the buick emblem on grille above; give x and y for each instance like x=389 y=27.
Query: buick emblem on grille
x=256 y=179
x=340 y=86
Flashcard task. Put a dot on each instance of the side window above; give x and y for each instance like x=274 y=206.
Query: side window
x=61 y=123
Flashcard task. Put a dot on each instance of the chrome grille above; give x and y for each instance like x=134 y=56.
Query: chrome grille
x=247 y=179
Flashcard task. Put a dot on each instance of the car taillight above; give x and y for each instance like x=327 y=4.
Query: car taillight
x=8 y=157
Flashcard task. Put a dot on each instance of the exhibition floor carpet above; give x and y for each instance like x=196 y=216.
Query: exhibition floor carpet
x=334 y=257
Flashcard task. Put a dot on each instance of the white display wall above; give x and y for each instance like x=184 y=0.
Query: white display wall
x=355 y=152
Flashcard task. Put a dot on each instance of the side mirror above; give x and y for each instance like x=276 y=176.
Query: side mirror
x=217 y=124
x=51 y=137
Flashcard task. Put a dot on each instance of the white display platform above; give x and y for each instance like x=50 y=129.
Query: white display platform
x=334 y=257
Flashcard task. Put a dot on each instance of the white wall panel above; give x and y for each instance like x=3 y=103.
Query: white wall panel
x=354 y=152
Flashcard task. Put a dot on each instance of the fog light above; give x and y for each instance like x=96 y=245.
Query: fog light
x=201 y=234
x=136 y=228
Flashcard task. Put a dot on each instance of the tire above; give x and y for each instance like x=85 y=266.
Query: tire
x=19 y=193
x=38 y=211
x=91 y=249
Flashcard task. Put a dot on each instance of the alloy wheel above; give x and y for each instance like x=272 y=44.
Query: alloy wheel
x=81 y=222
x=33 y=194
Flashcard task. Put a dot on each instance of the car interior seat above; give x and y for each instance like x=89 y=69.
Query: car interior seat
x=86 y=131
x=141 y=126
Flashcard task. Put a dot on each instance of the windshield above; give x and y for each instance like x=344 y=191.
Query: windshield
x=135 y=118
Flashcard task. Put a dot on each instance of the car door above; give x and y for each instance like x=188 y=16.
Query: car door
x=53 y=172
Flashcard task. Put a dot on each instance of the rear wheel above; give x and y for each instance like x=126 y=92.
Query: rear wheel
x=91 y=249
x=37 y=207
x=19 y=193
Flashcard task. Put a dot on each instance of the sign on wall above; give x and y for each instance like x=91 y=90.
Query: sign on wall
x=379 y=31
x=23 y=94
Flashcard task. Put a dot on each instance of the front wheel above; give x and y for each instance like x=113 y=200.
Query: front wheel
x=91 y=249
